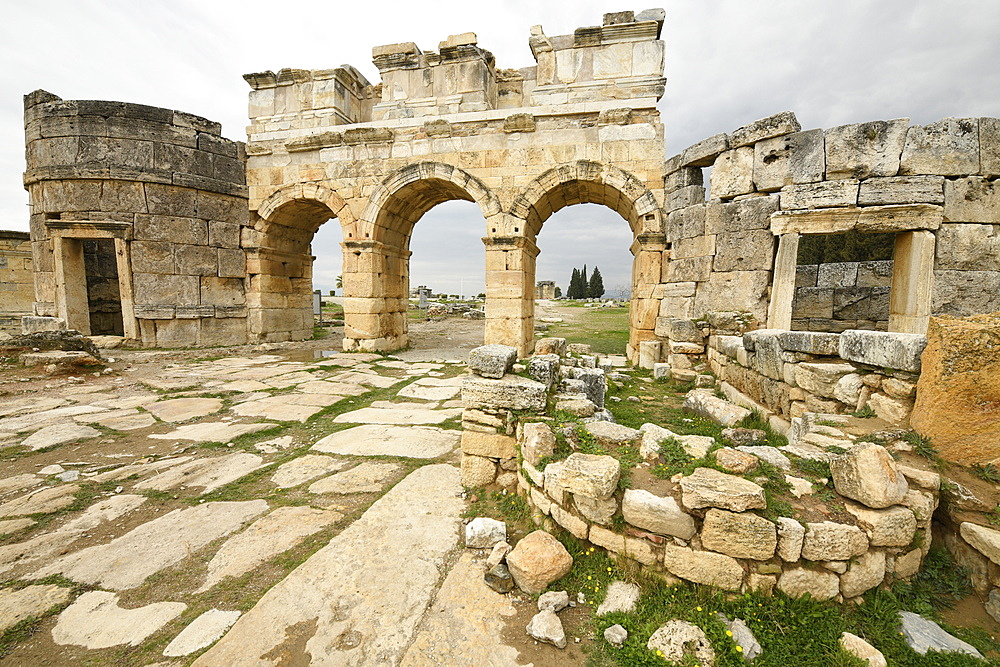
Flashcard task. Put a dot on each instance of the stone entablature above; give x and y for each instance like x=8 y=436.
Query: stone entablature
x=16 y=282
x=934 y=186
x=136 y=214
x=581 y=126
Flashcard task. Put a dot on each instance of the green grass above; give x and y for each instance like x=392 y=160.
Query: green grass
x=606 y=330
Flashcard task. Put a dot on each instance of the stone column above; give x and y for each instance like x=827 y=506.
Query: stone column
x=510 y=292
x=912 y=282
x=779 y=310
x=123 y=259
x=647 y=251
x=376 y=285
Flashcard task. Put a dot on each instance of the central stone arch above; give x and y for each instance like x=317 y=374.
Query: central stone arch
x=376 y=263
x=588 y=182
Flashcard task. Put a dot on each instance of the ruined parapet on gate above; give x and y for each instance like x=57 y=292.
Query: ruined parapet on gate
x=136 y=216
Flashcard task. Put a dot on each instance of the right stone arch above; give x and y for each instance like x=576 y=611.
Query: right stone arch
x=510 y=257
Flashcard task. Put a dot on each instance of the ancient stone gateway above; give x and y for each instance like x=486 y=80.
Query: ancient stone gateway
x=581 y=126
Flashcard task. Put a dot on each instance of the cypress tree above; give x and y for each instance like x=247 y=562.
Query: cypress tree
x=584 y=283
x=574 y=285
x=595 y=289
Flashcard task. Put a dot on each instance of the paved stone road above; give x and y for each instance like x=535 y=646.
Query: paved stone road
x=172 y=495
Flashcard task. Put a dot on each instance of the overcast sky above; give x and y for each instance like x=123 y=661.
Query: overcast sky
x=728 y=62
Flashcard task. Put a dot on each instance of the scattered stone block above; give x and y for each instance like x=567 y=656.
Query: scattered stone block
x=611 y=434
x=676 y=640
x=538 y=560
x=616 y=635
x=862 y=650
x=867 y=473
x=511 y=392
x=705 y=403
x=554 y=601
x=620 y=597
x=546 y=627
x=498 y=578
x=484 y=533
x=706 y=487
x=735 y=461
x=492 y=361
x=923 y=635
x=545 y=346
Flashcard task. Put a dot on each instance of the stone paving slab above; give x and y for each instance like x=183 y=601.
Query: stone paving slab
x=124 y=402
x=348 y=603
x=209 y=474
x=289 y=379
x=19 y=483
x=333 y=388
x=267 y=537
x=183 y=409
x=9 y=526
x=58 y=434
x=367 y=379
x=15 y=606
x=286 y=407
x=201 y=632
x=368 y=477
x=426 y=393
x=422 y=415
x=43 y=501
x=301 y=470
x=36 y=420
x=30 y=404
x=242 y=386
x=96 y=621
x=139 y=468
x=464 y=625
x=211 y=431
x=129 y=560
x=418 y=442
x=124 y=419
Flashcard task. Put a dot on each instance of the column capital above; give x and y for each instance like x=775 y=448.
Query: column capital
x=510 y=243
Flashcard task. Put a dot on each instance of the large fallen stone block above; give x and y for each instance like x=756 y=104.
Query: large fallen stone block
x=538 y=560
x=492 y=361
x=867 y=473
x=512 y=392
x=897 y=351
x=959 y=388
x=705 y=403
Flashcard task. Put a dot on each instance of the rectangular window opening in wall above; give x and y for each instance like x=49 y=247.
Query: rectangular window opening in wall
x=843 y=281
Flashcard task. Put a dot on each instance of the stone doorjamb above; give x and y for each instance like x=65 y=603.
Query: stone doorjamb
x=71 y=275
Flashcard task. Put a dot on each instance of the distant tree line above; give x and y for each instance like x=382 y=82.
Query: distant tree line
x=847 y=247
x=581 y=287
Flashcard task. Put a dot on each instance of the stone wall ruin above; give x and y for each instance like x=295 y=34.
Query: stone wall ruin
x=16 y=282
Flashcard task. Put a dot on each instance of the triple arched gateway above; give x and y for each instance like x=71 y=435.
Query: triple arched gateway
x=581 y=126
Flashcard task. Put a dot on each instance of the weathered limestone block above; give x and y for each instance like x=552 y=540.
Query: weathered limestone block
x=614 y=435
x=777 y=125
x=703 y=567
x=649 y=353
x=492 y=361
x=572 y=523
x=796 y=582
x=735 y=461
x=682 y=178
x=898 y=218
x=961 y=293
x=862 y=150
x=512 y=392
x=493 y=445
x=894 y=411
x=703 y=153
x=810 y=342
x=827 y=194
x=594 y=510
x=698 y=246
x=705 y=403
x=656 y=514
x=478 y=471
x=677 y=640
x=882 y=349
x=751 y=250
x=848 y=389
x=792 y=158
x=732 y=173
x=706 y=487
x=867 y=473
x=544 y=368
x=791 y=534
x=863 y=574
x=685 y=223
x=740 y=535
x=537 y=560
x=546 y=346
x=767 y=347
x=960 y=387
x=989 y=146
x=833 y=541
x=685 y=197
x=743 y=290
x=538 y=442
x=742 y=215
x=902 y=190
x=892 y=527
x=949 y=147
x=968 y=247
x=862 y=650
x=594 y=384
x=973 y=199
x=592 y=475
x=984 y=540
x=821 y=378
